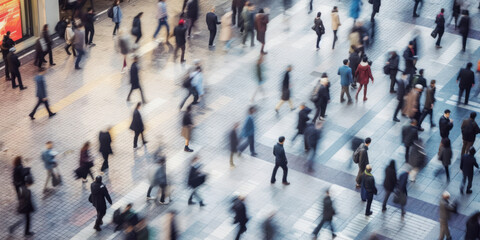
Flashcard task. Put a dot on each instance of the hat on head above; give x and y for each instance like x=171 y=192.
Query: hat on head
x=13 y=49
x=419 y=86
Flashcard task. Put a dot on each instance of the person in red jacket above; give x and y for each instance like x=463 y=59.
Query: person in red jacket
x=362 y=74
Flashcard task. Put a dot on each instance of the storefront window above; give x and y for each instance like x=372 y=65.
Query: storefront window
x=16 y=17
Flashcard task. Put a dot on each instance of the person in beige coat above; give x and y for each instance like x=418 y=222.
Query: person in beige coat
x=226 y=32
x=335 y=24
x=412 y=102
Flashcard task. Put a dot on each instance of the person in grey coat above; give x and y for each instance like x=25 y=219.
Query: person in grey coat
x=233 y=137
x=328 y=213
x=445 y=155
x=362 y=159
x=135 y=80
x=97 y=197
x=41 y=94
x=158 y=177
x=79 y=44
x=280 y=161
x=445 y=208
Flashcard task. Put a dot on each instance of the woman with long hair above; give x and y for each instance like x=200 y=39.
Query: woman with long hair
x=86 y=162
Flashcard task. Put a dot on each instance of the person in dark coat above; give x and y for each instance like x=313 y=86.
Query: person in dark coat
x=455 y=12
x=469 y=131
x=440 y=21
x=323 y=98
x=445 y=124
x=105 y=147
x=409 y=135
x=240 y=215
x=40 y=48
x=464 y=28
x=212 y=22
x=416 y=158
x=353 y=61
x=172 y=225
x=376 y=8
x=261 y=21
x=7 y=43
x=18 y=174
x=248 y=18
x=318 y=28
x=179 y=32
x=280 y=161
x=402 y=84
x=137 y=125
x=410 y=57
x=25 y=206
x=302 y=121
x=192 y=14
x=187 y=126
x=89 y=26
x=402 y=190
x=97 y=197
x=389 y=183
x=285 y=90
x=311 y=138
x=158 y=177
x=195 y=179
x=327 y=216
x=467 y=162
x=233 y=137
x=362 y=159
x=14 y=68
x=248 y=131
x=137 y=27
x=135 y=80
x=49 y=42
x=86 y=162
x=368 y=182
x=393 y=63
x=417 y=2
x=473 y=227
x=41 y=94
x=445 y=155
x=465 y=81
x=269 y=227
x=237 y=8
x=428 y=106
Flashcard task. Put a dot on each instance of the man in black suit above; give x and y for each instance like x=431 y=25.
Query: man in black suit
x=212 y=22
x=105 y=148
x=14 y=68
x=135 y=79
x=401 y=91
x=7 y=43
x=470 y=130
x=328 y=212
x=409 y=135
x=465 y=80
x=467 y=163
x=302 y=121
x=137 y=125
x=464 y=28
x=97 y=198
x=280 y=161
x=179 y=32
x=240 y=215
x=445 y=124
x=410 y=58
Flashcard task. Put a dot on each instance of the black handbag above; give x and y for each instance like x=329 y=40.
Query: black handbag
x=386 y=69
x=56 y=179
x=434 y=33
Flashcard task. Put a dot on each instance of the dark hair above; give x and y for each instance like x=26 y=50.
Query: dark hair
x=465 y=12
x=442 y=10
x=324 y=75
x=345 y=61
x=49 y=142
x=469 y=65
x=85 y=147
x=447 y=111
x=89 y=9
x=45 y=27
x=433 y=81
x=139 y=14
x=28 y=179
x=17 y=161
x=138 y=105
x=98 y=179
x=446 y=142
x=261 y=10
x=421 y=71
x=473 y=115
x=392 y=163
x=368 y=140
x=319 y=14
x=281 y=139
x=365 y=59
x=251 y=109
x=410 y=43
x=472 y=151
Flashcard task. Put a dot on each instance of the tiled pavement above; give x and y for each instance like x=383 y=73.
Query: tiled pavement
x=93 y=98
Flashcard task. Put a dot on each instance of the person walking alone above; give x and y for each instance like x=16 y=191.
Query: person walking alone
x=187 y=127
x=180 y=40
x=363 y=74
x=105 y=141
x=327 y=216
x=19 y=173
x=240 y=215
x=86 y=162
x=445 y=124
x=285 y=90
x=375 y=9
x=318 y=28
x=97 y=197
x=440 y=28
x=192 y=15
x=368 y=182
x=280 y=161
x=402 y=84
x=322 y=98
x=261 y=21
x=248 y=131
x=89 y=27
x=135 y=80
x=360 y=156
x=69 y=39
x=41 y=95
x=428 y=106
x=335 y=24
x=445 y=155
x=48 y=40
x=409 y=135
x=233 y=137
x=137 y=126
x=469 y=131
x=117 y=16
x=467 y=162
x=196 y=178
x=7 y=43
x=162 y=19
x=389 y=183
x=445 y=208
x=302 y=121
x=14 y=68
x=158 y=177
x=212 y=22
x=48 y=158
x=260 y=78
x=25 y=206
x=392 y=63
x=464 y=28
x=137 y=27
x=465 y=81
x=346 y=78
x=79 y=44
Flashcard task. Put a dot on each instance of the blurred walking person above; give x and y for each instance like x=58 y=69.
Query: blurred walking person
x=311 y=138
x=226 y=30
x=41 y=94
x=19 y=173
x=428 y=106
x=389 y=183
x=445 y=208
x=192 y=15
x=360 y=157
x=440 y=28
x=79 y=44
x=473 y=227
x=49 y=42
x=137 y=27
x=409 y=135
x=445 y=155
x=327 y=216
x=355 y=7
x=248 y=17
x=70 y=39
x=212 y=22
x=158 y=177
x=197 y=82
x=260 y=79
x=412 y=103
x=392 y=63
x=401 y=195
x=353 y=62
x=117 y=16
x=240 y=215
x=415 y=7
x=162 y=17
x=416 y=158
x=335 y=24
x=125 y=46
x=137 y=126
x=237 y=9
x=410 y=57
x=368 y=183
x=97 y=197
x=89 y=26
x=467 y=162
x=135 y=79
x=322 y=98
x=14 y=68
x=48 y=158
x=464 y=28
x=318 y=28
x=302 y=121
x=25 y=206
x=465 y=81
x=280 y=161
x=7 y=43
x=346 y=78
x=402 y=84
x=196 y=178
x=469 y=131
x=187 y=127
x=171 y=228
x=455 y=12
x=233 y=137
x=105 y=141
x=180 y=40
x=363 y=74
x=248 y=132
x=269 y=227
x=261 y=21
x=86 y=162
x=375 y=9
x=285 y=90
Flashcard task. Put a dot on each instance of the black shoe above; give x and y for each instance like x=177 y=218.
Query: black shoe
x=384 y=209
x=187 y=149
x=433 y=125
x=23 y=88
x=421 y=129
x=369 y=213
x=44 y=60
x=191 y=203
x=202 y=204
x=29 y=233
x=53 y=64
x=396 y=120
x=51 y=115
x=68 y=53
x=416 y=15
x=272 y=182
x=14 y=86
x=469 y=191
x=78 y=68
x=254 y=154
x=97 y=228
x=461 y=191
x=286 y=183
x=31 y=116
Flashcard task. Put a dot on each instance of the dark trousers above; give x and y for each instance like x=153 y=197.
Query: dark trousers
x=163 y=189
x=319 y=37
x=190 y=26
x=447 y=172
x=195 y=194
x=141 y=94
x=117 y=26
x=89 y=172
x=89 y=32
x=334 y=38
x=182 y=47
x=321 y=109
x=311 y=6
x=460 y=94
x=393 y=79
x=245 y=35
x=242 y=228
x=274 y=173
x=399 y=106
x=100 y=214
x=138 y=38
x=250 y=141
x=407 y=150
x=80 y=53
x=466 y=147
x=237 y=11
x=320 y=225
x=373 y=16
x=7 y=72
x=385 y=200
x=16 y=75
x=415 y=7
x=67 y=46
x=39 y=59
x=469 y=185
x=191 y=91
x=464 y=41
x=135 y=139
x=40 y=101
x=439 y=38
x=105 y=161
x=50 y=55
x=426 y=112
x=14 y=226
x=369 y=202
x=213 y=32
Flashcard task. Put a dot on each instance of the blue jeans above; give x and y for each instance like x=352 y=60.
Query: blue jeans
x=161 y=22
x=80 y=53
x=250 y=141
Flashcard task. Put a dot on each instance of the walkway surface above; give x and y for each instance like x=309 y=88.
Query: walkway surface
x=91 y=99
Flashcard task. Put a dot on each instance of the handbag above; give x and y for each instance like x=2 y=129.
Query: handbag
x=434 y=33
x=56 y=179
x=386 y=69
x=399 y=197
x=363 y=192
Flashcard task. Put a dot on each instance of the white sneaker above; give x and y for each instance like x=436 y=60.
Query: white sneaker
x=150 y=198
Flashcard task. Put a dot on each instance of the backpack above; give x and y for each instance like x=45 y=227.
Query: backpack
x=314 y=94
x=110 y=12
x=415 y=80
x=356 y=154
